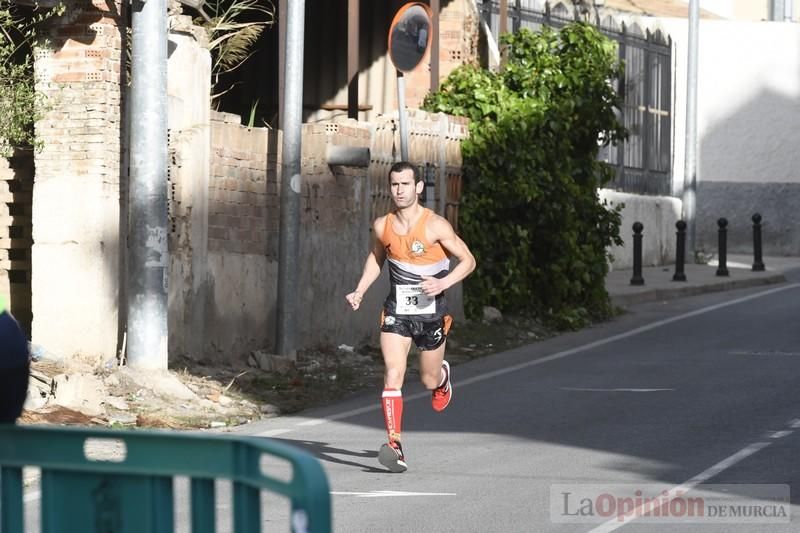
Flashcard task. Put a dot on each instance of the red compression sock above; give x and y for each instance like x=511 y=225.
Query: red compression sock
x=392 y=401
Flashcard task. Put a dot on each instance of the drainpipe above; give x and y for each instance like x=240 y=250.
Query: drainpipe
x=690 y=164
x=148 y=265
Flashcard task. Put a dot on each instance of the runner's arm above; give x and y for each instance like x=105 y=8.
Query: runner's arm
x=372 y=267
x=442 y=232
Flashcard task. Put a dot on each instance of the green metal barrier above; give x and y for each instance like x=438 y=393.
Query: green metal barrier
x=131 y=490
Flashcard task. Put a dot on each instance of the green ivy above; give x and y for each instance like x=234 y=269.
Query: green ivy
x=20 y=104
x=530 y=209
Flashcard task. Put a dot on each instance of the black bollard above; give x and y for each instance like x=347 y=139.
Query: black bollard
x=637 y=278
x=680 y=252
x=722 y=268
x=758 y=262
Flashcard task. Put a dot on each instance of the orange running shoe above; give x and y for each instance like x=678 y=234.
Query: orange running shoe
x=391 y=456
x=441 y=396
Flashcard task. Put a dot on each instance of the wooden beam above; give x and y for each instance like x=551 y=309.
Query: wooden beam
x=353 y=36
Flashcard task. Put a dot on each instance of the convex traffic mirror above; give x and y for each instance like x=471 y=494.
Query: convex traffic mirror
x=410 y=36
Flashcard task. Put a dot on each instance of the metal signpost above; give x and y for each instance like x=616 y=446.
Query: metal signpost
x=409 y=39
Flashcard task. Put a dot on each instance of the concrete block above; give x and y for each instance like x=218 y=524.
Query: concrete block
x=75 y=298
x=658 y=215
x=79 y=391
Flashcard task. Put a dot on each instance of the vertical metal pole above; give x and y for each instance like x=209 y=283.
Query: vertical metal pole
x=434 y=57
x=149 y=260
x=680 y=252
x=689 y=196
x=401 y=110
x=352 y=57
x=502 y=28
x=637 y=278
x=722 y=244
x=291 y=181
x=282 y=9
x=430 y=186
x=12 y=517
x=758 y=261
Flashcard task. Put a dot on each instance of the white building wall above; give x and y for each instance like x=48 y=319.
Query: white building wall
x=748 y=125
x=752 y=10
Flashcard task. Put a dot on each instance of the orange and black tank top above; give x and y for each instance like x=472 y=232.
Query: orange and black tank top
x=410 y=257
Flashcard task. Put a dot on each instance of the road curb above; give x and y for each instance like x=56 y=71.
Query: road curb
x=661 y=294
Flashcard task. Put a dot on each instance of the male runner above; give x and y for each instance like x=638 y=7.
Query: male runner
x=418 y=244
x=14 y=365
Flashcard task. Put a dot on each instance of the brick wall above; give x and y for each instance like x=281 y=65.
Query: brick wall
x=79 y=73
x=337 y=205
x=243 y=191
x=325 y=202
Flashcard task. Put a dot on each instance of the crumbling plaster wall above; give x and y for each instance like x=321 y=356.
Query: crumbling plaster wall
x=76 y=196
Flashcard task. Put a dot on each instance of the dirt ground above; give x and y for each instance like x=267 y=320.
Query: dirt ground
x=193 y=395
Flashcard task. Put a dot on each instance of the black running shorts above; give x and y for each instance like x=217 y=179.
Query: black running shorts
x=427 y=335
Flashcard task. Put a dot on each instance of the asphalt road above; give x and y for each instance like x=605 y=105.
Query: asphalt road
x=696 y=397
x=672 y=396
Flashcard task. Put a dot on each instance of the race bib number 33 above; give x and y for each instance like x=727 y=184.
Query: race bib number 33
x=412 y=301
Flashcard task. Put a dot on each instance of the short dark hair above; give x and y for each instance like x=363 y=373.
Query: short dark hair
x=402 y=166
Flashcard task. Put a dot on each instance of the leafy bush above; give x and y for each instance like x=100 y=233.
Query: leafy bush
x=20 y=105
x=530 y=209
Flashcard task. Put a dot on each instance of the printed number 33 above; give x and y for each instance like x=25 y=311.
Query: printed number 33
x=412 y=300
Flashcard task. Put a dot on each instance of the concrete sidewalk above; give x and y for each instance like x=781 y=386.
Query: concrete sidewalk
x=658 y=284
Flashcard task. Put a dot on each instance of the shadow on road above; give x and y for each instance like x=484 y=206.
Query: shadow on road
x=324 y=452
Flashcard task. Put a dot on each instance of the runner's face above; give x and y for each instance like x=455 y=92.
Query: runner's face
x=404 y=190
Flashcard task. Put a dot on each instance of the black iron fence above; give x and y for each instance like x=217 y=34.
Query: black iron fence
x=643 y=161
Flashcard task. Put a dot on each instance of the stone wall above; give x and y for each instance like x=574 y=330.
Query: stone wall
x=242 y=238
x=243 y=190
x=76 y=197
x=16 y=186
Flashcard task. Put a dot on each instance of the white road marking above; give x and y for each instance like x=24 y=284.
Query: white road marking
x=553 y=357
x=794 y=423
x=389 y=494
x=273 y=432
x=313 y=422
x=32 y=496
x=582 y=389
x=685 y=487
x=780 y=434
x=769 y=352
